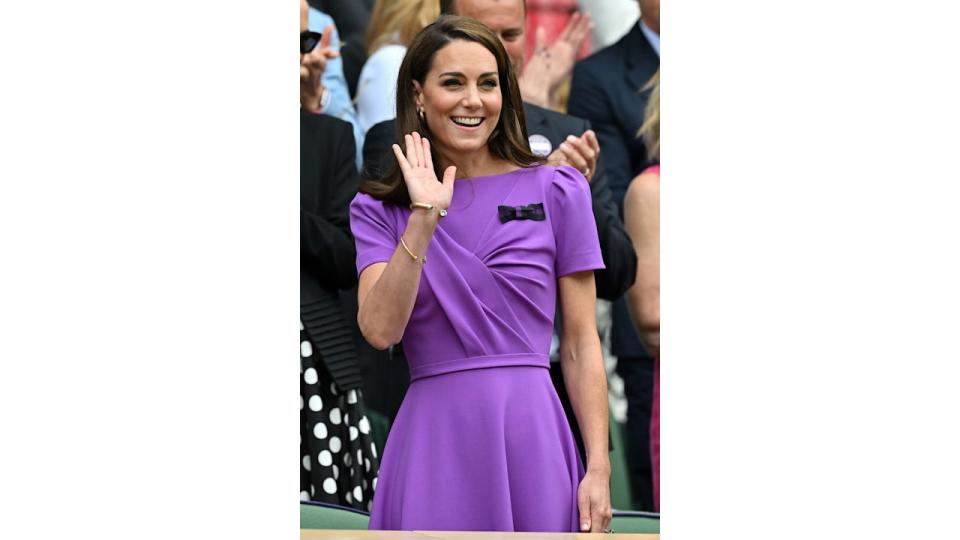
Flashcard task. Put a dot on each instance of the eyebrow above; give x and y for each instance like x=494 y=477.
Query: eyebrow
x=458 y=74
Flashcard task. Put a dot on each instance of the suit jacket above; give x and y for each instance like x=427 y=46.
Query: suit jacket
x=618 y=255
x=328 y=182
x=606 y=90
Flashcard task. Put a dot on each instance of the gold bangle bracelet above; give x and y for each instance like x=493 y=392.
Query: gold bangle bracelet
x=421 y=260
x=426 y=206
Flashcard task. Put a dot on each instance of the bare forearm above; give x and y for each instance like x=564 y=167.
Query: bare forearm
x=385 y=310
x=586 y=382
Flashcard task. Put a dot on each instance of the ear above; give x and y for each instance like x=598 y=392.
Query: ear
x=417 y=94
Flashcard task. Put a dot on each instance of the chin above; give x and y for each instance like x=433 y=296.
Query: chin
x=463 y=144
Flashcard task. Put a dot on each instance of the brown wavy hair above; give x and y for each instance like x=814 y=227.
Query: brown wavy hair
x=398 y=21
x=508 y=141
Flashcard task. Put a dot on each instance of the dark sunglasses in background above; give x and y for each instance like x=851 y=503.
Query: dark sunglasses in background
x=309 y=41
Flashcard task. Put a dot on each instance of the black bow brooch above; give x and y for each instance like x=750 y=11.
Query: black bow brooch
x=531 y=211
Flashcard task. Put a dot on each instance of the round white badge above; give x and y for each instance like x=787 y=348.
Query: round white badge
x=540 y=145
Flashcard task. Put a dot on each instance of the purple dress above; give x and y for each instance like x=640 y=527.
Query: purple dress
x=481 y=441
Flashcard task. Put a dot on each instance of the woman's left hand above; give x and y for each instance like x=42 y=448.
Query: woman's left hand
x=593 y=501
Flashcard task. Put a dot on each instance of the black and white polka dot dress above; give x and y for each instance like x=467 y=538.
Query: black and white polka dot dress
x=338 y=458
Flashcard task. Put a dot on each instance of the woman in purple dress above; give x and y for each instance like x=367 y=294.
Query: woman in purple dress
x=463 y=251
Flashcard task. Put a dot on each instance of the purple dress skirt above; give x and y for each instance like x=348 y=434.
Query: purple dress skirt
x=481 y=441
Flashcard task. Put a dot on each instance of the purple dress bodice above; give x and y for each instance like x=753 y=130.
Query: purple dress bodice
x=487 y=295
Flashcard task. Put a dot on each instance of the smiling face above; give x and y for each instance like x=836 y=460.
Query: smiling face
x=460 y=97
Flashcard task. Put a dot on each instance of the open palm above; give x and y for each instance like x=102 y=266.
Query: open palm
x=418 y=173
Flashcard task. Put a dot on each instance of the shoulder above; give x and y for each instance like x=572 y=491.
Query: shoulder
x=364 y=204
x=613 y=53
x=381 y=130
x=599 y=61
x=644 y=187
x=564 y=181
x=332 y=137
x=324 y=123
x=367 y=201
x=392 y=52
x=378 y=140
x=386 y=56
x=562 y=124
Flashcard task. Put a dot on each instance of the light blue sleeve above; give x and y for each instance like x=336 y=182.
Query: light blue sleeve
x=377 y=88
x=340 y=105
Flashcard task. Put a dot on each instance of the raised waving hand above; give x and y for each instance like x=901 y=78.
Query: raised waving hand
x=418 y=173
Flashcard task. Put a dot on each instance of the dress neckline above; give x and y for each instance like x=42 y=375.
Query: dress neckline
x=517 y=170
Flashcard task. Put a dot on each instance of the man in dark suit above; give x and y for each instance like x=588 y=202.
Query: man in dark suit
x=606 y=90
x=559 y=139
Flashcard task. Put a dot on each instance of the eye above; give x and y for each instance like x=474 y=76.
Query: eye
x=450 y=83
x=512 y=35
x=489 y=83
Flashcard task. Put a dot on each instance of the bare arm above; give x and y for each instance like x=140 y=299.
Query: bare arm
x=387 y=291
x=586 y=381
x=383 y=315
x=642 y=216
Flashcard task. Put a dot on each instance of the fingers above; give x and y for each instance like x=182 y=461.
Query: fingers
x=326 y=37
x=591 y=137
x=418 y=148
x=540 y=39
x=580 y=31
x=426 y=154
x=568 y=29
x=598 y=520
x=315 y=63
x=576 y=29
x=401 y=160
x=577 y=154
x=556 y=158
x=411 y=151
x=449 y=176
x=583 y=505
x=418 y=151
x=584 y=148
x=573 y=157
x=324 y=45
x=605 y=517
x=588 y=150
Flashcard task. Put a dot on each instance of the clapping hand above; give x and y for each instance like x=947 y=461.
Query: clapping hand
x=550 y=66
x=581 y=153
x=418 y=173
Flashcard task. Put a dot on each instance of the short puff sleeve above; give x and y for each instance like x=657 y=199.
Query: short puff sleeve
x=374 y=230
x=574 y=227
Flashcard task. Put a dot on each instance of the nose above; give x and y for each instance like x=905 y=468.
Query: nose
x=472 y=99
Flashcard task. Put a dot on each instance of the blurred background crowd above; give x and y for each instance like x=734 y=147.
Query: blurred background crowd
x=589 y=77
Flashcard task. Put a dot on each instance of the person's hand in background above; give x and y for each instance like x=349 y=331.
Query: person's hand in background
x=549 y=67
x=312 y=65
x=581 y=153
